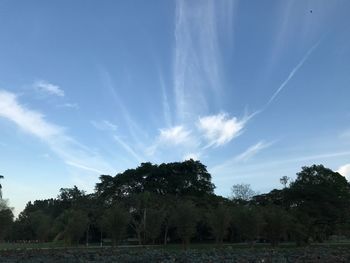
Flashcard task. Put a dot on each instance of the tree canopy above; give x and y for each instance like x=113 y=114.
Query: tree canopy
x=178 y=178
x=175 y=202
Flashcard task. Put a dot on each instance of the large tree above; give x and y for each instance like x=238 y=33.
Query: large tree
x=321 y=195
x=179 y=179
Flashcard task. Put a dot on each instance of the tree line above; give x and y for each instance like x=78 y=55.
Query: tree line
x=175 y=202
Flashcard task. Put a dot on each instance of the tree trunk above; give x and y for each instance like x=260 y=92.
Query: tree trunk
x=166 y=234
x=87 y=235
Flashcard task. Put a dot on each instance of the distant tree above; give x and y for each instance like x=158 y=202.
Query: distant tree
x=155 y=220
x=139 y=205
x=185 y=220
x=6 y=219
x=219 y=220
x=277 y=221
x=1 y=177
x=71 y=226
x=242 y=192
x=246 y=223
x=284 y=180
x=115 y=222
x=40 y=225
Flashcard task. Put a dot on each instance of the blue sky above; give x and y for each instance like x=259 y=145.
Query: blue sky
x=253 y=89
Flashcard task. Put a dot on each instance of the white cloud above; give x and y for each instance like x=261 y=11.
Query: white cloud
x=49 y=88
x=197 y=59
x=292 y=73
x=174 y=135
x=54 y=136
x=84 y=167
x=29 y=121
x=220 y=129
x=251 y=151
x=104 y=125
x=345 y=171
x=69 y=105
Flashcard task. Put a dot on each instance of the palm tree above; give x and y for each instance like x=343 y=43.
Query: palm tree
x=1 y=177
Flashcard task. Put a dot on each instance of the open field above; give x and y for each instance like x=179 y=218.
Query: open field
x=197 y=253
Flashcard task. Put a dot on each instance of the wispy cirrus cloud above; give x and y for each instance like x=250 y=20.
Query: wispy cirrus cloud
x=230 y=164
x=197 y=56
x=69 y=105
x=170 y=137
x=292 y=73
x=128 y=149
x=252 y=151
x=220 y=129
x=33 y=122
x=49 y=88
x=136 y=132
x=30 y=121
x=104 y=125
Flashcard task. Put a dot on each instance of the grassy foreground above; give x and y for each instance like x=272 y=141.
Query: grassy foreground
x=328 y=252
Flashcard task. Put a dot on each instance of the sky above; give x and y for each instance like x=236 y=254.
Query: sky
x=253 y=89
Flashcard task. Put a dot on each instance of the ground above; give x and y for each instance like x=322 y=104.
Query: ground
x=329 y=253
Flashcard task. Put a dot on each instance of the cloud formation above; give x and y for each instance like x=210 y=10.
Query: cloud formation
x=46 y=87
x=174 y=135
x=197 y=59
x=32 y=122
x=345 y=171
x=252 y=151
x=219 y=129
x=104 y=125
x=128 y=149
x=292 y=73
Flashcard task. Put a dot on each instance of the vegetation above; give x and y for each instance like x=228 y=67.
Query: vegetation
x=175 y=202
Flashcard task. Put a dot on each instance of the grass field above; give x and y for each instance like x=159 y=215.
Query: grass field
x=263 y=253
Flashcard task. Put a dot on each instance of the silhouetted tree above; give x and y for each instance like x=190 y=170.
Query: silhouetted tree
x=115 y=222
x=185 y=220
x=242 y=192
x=219 y=220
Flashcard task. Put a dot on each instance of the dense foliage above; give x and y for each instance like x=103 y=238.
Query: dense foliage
x=175 y=202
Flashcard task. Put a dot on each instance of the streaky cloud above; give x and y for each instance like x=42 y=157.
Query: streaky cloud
x=49 y=88
x=197 y=69
x=292 y=73
x=252 y=151
x=135 y=131
x=230 y=164
x=55 y=136
x=104 y=125
x=128 y=148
